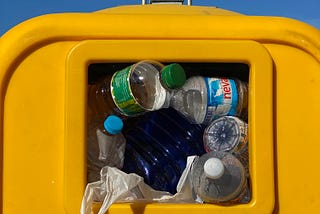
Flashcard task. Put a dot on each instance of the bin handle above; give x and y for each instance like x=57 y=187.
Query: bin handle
x=189 y=2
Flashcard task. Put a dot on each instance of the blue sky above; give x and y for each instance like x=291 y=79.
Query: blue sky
x=13 y=12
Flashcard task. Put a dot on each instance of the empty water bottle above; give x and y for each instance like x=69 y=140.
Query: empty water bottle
x=228 y=134
x=203 y=99
x=219 y=177
x=138 y=88
x=107 y=147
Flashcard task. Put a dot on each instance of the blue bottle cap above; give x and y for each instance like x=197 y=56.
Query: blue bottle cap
x=113 y=124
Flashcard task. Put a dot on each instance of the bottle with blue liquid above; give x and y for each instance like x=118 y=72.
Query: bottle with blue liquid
x=158 y=145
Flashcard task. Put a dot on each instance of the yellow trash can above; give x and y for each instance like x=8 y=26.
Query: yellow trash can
x=44 y=72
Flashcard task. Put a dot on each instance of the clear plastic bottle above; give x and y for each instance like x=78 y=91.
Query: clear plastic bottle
x=228 y=134
x=108 y=149
x=219 y=177
x=136 y=89
x=203 y=99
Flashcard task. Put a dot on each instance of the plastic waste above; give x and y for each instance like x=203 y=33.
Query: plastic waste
x=203 y=99
x=158 y=146
x=135 y=89
x=219 y=177
x=132 y=91
x=228 y=134
x=107 y=148
x=118 y=186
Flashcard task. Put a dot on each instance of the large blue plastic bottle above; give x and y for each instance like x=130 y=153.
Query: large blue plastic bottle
x=156 y=159
x=158 y=145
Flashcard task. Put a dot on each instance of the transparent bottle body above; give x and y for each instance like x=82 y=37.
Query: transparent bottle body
x=146 y=85
x=230 y=188
x=103 y=149
x=228 y=134
x=203 y=99
x=100 y=101
x=191 y=99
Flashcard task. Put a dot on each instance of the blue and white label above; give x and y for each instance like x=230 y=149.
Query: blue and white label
x=222 y=98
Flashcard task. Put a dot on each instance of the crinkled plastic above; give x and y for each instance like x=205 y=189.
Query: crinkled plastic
x=116 y=186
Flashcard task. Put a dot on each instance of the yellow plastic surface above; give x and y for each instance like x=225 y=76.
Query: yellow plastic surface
x=43 y=65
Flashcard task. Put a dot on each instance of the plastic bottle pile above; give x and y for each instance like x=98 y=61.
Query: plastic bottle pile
x=149 y=117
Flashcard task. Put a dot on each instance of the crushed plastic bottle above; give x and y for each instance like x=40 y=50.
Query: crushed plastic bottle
x=219 y=178
x=109 y=147
x=203 y=99
x=228 y=134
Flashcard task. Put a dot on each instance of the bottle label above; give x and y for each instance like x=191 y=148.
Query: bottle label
x=122 y=94
x=222 y=98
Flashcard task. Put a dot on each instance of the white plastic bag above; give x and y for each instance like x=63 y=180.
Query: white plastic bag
x=116 y=186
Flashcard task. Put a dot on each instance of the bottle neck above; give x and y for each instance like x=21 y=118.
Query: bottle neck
x=167 y=102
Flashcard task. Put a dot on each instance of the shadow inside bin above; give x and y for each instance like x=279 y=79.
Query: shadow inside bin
x=138 y=207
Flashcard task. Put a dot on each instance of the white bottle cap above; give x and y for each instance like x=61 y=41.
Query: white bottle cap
x=213 y=168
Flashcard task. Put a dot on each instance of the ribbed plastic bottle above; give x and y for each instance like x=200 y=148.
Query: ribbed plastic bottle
x=158 y=146
x=228 y=134
x=219 y=178
x=108 y=149
x=203 y=99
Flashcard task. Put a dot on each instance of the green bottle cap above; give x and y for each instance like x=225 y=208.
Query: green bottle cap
x=173 y=76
